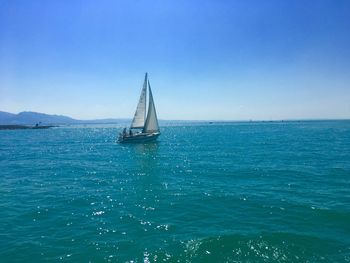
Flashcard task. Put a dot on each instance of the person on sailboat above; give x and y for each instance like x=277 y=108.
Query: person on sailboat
x=130 y=132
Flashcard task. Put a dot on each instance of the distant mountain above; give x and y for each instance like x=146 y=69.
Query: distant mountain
x=31 y=118
x=5 y=117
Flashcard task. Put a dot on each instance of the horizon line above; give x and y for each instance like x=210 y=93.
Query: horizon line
x=198 y=120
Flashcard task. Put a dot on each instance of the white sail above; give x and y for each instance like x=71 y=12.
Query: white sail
x=151 y=124
x=140 y=114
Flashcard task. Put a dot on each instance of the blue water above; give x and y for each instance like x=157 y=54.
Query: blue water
x=230 y=192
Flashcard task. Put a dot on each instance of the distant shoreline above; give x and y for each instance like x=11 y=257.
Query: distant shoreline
x=164 y=123
x=28 y=118
x=24 y=127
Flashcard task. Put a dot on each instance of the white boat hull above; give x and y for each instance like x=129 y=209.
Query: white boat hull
x=138 y=137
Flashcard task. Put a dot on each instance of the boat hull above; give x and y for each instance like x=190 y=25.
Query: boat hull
x=139 y=138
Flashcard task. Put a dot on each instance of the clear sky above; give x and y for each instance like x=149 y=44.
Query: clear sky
x=217 y=59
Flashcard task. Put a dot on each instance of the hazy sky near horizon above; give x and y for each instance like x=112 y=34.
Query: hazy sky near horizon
x=223 y=59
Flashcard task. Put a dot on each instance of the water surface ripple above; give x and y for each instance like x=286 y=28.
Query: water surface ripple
x=229 y=192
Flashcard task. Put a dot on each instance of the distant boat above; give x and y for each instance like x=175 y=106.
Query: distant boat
x=144 y=127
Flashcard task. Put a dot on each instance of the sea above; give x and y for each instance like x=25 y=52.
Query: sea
x=204 y=192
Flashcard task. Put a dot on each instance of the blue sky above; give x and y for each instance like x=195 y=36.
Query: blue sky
x=222 y=60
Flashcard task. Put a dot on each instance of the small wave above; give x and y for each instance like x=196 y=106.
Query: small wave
x=276 y=247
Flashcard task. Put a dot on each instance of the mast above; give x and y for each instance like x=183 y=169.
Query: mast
x=140 y=114
x=151 y=124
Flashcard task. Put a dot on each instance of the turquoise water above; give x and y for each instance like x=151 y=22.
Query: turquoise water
x=234 y=192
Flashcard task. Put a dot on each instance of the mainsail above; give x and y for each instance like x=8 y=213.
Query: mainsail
x=140 y=115
x=151 y=124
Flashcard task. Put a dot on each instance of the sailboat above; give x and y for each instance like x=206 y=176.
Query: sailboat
x=144 y=127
